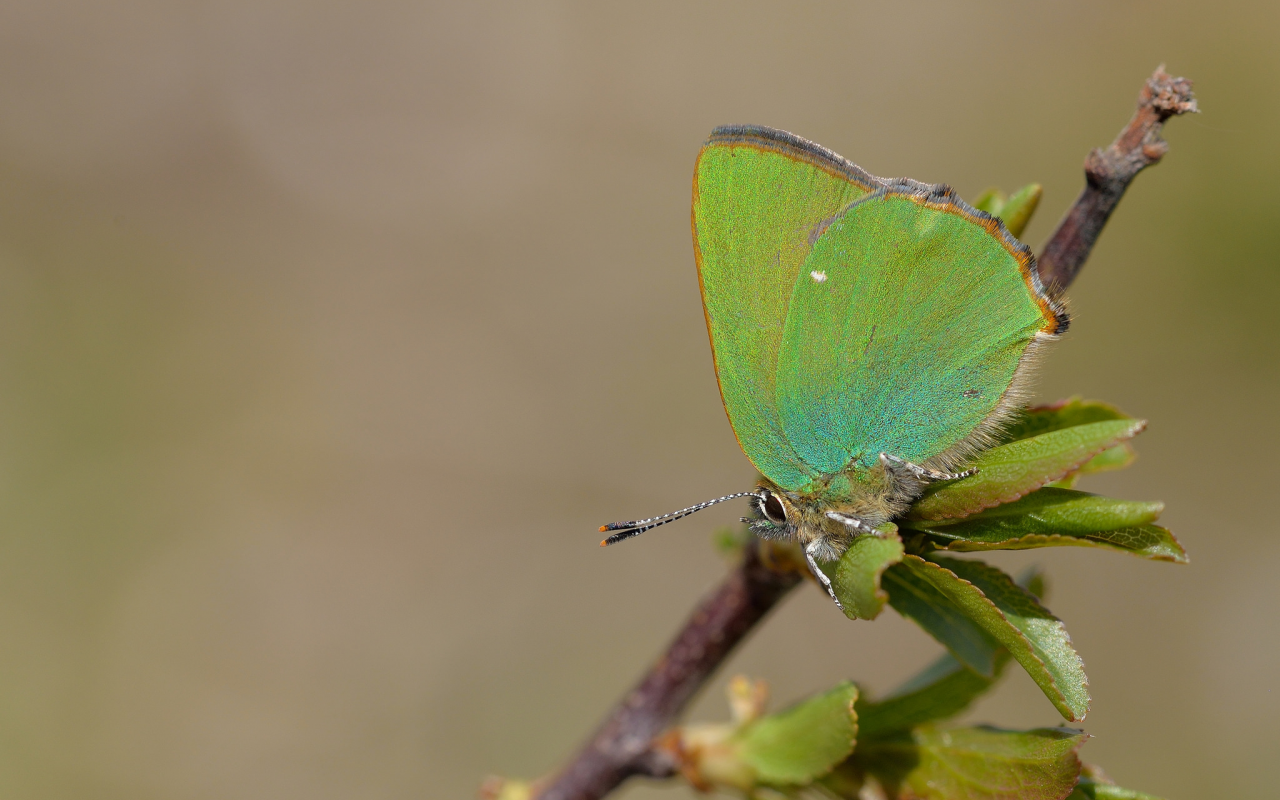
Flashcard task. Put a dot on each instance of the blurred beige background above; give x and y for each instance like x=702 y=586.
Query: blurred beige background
x=329 y=333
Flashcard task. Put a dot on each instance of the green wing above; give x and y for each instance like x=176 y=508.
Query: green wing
x=907 y=326
x=761 y=198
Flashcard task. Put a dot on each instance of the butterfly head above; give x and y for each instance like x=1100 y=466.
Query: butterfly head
x=776 y=514
x=795 y=517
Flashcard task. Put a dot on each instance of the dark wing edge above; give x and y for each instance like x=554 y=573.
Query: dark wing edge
x=942 y=197
x=796 y=147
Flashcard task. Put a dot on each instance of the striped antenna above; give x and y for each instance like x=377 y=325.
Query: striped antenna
x=625 y=530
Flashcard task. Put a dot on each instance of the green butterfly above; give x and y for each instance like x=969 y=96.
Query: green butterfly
x=870 y=336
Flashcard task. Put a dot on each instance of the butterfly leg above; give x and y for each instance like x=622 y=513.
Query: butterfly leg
x=923 y=473
x=853 y=523
x=809 y=552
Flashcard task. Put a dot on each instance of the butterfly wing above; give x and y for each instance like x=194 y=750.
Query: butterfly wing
x=913 y=340
x=761 y=199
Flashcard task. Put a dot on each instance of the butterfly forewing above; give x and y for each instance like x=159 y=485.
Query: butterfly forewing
x=761 y=199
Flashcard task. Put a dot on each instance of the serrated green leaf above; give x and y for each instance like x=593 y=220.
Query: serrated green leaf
x=856 y=576
x=918 y=599
x=1009 y=614
x=976 y=613
x=978 y=763
x=1045 y=634
x=1090 y=789
x=1019 y=208
x=991 y=201
x=1073 y=411
x=1052 y=517
x=1047 y=510
x=803 y=743
x=1012 y=470
x=1065 y=414
x=1148 y=541
x=1117 y=457
x=942 y=690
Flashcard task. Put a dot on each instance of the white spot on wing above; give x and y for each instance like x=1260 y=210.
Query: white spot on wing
x=818 y=277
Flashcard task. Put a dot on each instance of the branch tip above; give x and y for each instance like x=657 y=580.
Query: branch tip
x=1108 y=173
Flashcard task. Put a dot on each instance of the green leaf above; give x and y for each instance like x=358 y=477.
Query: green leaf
x=1012 y=470
x=729 y=541
x=856 y=576
x=1073 y=411
x=1068 y=413
x=1053 y=517
x=1032 y=579
x=803 y=743
x=991 y=201
x=1148 y=541
x=916 y=598
x=1015 y=211
x=1090 y=789
x=1018 y=209
x=979 y=763
x=1117 y=457
x=942 y=690
x=991 y=601
x=1047 y=510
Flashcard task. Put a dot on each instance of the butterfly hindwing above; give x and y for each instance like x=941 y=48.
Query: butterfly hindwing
x=907 y=324
x=761 y=200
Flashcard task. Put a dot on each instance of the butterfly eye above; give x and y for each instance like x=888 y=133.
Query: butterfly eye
x=772 y=508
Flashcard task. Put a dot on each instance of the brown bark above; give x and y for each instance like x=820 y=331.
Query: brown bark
x=1108 y=174
x=621 y=746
